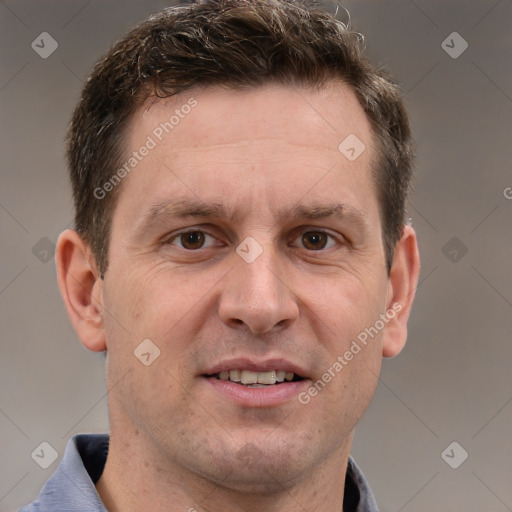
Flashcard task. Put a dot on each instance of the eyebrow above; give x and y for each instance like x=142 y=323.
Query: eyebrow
x=189 y=208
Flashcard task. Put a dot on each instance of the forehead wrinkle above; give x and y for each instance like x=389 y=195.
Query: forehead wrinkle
x=184 y=208
x=341 y=211
x=261 y=145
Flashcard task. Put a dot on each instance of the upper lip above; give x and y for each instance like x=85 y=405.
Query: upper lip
x=256 y=366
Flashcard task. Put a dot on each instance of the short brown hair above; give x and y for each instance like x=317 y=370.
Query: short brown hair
x=237 y=44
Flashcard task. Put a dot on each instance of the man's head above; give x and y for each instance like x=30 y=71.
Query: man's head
x=264 y=160
x=239 y=45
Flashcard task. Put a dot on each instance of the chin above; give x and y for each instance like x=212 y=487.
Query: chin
x=261 y=478
x=261 y=468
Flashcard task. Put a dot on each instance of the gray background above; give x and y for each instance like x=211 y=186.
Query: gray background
x=453 y=381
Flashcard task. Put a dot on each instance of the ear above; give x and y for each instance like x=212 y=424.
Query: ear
x=402 y=283
x=81 y=288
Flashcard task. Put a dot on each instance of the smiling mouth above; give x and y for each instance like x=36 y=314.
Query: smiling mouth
x=257 y=379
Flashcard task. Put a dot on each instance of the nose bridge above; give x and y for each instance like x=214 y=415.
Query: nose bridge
x=261 y=275
x=257 y=295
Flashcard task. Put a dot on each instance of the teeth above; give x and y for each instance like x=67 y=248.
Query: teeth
x=248 y=377
x=254 y=379
x=234 y=375
x=267 y=377
x=280 y=375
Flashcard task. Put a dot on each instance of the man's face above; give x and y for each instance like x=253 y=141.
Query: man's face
x=245 y=240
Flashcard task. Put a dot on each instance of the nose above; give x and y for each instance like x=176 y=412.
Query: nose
x=257 y=295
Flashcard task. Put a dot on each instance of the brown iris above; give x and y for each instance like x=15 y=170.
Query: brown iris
x=192 y=239
x=314 y=240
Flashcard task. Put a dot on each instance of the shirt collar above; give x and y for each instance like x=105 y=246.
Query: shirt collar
x=71 y=488
x=366 y=501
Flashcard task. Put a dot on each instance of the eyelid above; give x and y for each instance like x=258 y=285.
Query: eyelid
x=302 y=230
x=168 y=239
x=297 y=233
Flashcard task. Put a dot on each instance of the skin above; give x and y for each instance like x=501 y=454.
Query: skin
x=175 y=442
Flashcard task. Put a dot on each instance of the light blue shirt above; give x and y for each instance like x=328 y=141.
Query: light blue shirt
x=71 y=488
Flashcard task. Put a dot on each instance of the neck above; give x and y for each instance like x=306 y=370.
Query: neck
x=135 y=478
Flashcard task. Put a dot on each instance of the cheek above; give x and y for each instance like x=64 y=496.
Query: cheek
x=349 y=311
x=141 y=308
x=346 y=387
x=151 y=302
x=169 y=310
x=347 y=304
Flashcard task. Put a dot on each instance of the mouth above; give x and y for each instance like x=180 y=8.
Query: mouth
x=256 y=384
x=254 y=379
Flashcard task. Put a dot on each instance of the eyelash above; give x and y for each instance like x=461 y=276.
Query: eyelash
x=177 y=236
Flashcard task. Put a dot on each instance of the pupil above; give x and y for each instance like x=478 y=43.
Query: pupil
x=314 y=240
x=192 y=240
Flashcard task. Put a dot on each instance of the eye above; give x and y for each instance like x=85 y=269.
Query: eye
x=192 y=240
x=316 y=240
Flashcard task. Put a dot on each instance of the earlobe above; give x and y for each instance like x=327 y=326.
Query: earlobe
x=81 y=289
x=403 y=280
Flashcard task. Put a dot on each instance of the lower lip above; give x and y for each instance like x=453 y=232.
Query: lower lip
x=258 y=397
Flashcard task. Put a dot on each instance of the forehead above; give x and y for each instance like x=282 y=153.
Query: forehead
x=252 y=145
x=219 y=115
